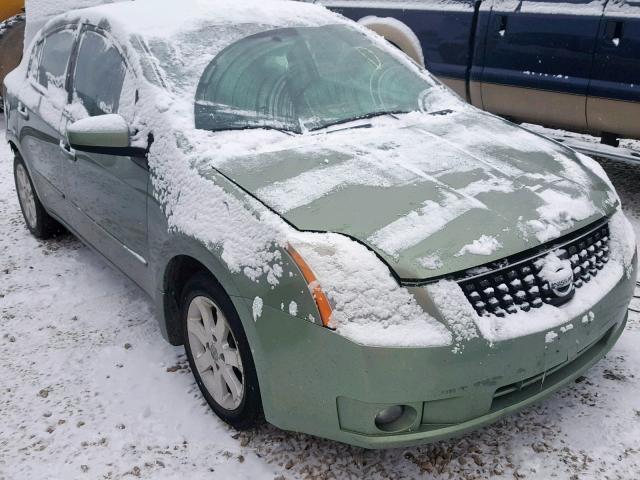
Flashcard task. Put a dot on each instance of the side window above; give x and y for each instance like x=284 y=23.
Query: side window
x=34 y=60
x=54 y=59
x=99 y=75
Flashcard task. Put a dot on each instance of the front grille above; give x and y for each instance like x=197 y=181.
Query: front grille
x=518 y=285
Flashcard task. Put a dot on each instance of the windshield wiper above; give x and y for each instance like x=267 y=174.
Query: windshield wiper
x=391 y=113
x=362 y=125
x=441 y=112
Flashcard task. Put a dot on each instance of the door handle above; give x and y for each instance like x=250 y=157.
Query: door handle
x=613 y=31
x=502 y=25
x=69 y=152
x=22 y=110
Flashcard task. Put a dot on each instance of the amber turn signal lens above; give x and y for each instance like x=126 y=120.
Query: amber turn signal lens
x=324 y=307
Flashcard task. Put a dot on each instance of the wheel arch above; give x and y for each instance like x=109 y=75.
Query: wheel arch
x=177 y=272
x=398 y=33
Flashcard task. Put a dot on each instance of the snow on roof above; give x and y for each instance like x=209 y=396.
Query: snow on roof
x=166 y=18
x=39 y=11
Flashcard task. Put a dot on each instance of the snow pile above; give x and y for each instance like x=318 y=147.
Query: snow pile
x=494 y=184
x=594 y=8
x=485 y=245
x=310 y=185
x=256 y=308
x=102 y=124
x=554 y=268
x=400 y=4
x=420 y=224
x=431 y=262
x=369 y=307
x=559 y=213
x=456 y=311
x=622 y=244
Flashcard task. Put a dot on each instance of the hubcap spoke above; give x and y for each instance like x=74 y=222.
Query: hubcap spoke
x=231 y=357
x=234 y=384
x=195 y=327
x=221 y=330
x=206 y=313
x=204 y=361
x=218 y=389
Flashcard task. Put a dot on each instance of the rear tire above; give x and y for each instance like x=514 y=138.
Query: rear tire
x=219 y=353
x=38 y=221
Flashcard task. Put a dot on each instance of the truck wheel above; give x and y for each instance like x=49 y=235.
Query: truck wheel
x=219 y=353
x=610 y=139
x=398 y=34
x=38 y=221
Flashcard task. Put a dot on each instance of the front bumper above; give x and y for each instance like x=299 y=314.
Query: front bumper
x=316 y=382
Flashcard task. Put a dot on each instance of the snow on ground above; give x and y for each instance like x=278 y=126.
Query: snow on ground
x=88 y=389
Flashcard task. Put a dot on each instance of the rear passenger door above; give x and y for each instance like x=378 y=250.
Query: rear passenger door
x=40 y=105
x=538 y=60
x=108 y=192
x=613 y=105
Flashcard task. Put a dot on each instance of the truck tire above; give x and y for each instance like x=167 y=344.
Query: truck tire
x=396 y=33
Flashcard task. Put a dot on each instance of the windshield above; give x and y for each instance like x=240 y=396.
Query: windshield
x=306 y=78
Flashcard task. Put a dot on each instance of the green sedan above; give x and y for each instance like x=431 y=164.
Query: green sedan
x=343 y=246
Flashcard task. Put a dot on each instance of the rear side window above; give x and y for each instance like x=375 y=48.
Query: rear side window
x=54 y=59
x=99 y=74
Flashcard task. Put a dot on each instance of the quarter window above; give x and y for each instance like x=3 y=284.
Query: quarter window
x=56 y=50
x=99 y=75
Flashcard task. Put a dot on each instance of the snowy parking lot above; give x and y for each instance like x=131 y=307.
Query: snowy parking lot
x=89 y=389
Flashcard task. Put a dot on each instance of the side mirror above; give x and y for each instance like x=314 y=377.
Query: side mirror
x=103 y=134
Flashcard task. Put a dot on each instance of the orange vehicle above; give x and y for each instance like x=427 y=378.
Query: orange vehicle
x=9 y=8
x=11 y=36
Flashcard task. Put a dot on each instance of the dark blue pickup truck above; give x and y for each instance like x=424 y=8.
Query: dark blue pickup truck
x=572 y=64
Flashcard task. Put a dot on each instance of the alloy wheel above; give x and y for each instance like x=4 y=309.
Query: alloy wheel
x=215 y=353
x=26 y=195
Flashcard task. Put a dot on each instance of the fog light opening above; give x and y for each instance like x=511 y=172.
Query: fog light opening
x=395 y=418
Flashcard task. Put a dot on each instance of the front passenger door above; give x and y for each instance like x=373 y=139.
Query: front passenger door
x=108 y=192
x=538 y=60
x=613 y=105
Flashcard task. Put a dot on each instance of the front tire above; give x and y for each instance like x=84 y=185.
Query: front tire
x=39 y=222
x=219 y=353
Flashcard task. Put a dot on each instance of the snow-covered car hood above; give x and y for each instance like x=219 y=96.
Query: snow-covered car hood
x=430 y=193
